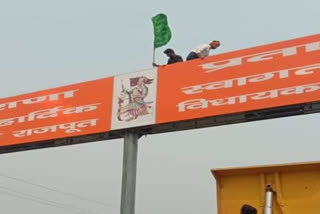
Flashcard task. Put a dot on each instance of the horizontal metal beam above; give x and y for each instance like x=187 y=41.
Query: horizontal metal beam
x=271 y=113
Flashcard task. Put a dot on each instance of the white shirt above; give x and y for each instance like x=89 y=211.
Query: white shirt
x=202 y=50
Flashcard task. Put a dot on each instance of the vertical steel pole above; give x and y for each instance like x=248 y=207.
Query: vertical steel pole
x=130 y=153
x=268 y=200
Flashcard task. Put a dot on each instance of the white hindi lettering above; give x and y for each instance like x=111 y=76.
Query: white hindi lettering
x=68 y=128
x=48 y=113
x=192 y=89
x=45 y=129
x=218 y=65
x=264 y=95
x=229 y=100
x=192 y=104
x=9 y=105
x=301 y=89
x=33 y=100
x=255 y=78
x=22 y=133
x=315 y=46
x=241 y=81
x=42 y=114
x=269 y=55
x=218 y=85
x=263 y=77
x=275 y=93
x=305 y=70
x=75 y=126
x=80 y=109
x=6 y=122
x=86 y=123
x=207 y=86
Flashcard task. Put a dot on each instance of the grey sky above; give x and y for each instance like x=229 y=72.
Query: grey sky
x=45 y=44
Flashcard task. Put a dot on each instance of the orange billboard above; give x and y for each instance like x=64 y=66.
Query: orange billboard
x=273 y=75
x=267 y=76
x=73 y=110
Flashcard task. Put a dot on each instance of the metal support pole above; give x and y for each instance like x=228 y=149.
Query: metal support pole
x=268 y=200
x=130 y=153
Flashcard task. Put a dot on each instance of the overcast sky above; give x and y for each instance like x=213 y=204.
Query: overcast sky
x=45 y=44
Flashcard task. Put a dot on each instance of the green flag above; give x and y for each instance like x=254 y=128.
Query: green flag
x=162 y=32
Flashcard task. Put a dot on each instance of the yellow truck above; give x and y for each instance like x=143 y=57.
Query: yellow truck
x=276 y=189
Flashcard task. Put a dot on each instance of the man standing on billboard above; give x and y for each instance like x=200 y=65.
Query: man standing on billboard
x=173 y=58
x=203 y=50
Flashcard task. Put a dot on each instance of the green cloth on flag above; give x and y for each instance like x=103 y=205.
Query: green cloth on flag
x=162 y=32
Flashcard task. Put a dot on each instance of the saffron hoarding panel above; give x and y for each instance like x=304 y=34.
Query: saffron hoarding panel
x=73 y=110
x=273 y=75
x=267 y=76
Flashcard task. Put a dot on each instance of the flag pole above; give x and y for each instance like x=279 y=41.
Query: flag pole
x=154 y=56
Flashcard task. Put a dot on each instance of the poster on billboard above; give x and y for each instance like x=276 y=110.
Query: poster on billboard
x=74 y=110
x=134 y=99
x=273 y=75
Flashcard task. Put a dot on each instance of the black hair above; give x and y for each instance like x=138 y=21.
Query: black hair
x=247 y=209
x=168 y=51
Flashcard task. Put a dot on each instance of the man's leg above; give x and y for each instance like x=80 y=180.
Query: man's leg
x=192 y=55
